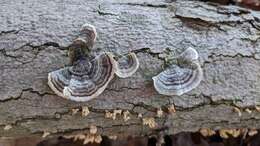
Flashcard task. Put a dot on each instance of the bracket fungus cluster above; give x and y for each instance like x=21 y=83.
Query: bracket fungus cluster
x=181 y=77
x=87 y=76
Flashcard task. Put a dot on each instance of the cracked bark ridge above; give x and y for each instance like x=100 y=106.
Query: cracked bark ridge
x=33 y=39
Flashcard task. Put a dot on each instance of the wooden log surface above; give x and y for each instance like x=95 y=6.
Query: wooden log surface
x=34 y=35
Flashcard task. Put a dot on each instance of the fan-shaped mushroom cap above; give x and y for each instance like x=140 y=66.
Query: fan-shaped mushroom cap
x=189 y=54
x=181 y=78
x=89 y=34
x=85 y=80
x=127 y=65
x=83 y=44
x=77 y=50
x=177 y=81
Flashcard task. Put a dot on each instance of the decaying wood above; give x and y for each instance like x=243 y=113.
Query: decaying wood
x=35 y=35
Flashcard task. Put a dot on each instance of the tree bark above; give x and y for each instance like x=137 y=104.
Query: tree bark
x=35 y=35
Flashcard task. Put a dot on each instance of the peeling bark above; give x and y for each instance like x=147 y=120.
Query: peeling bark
x=34 y=36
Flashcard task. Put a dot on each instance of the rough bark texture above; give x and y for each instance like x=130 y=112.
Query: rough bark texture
x=33 y=39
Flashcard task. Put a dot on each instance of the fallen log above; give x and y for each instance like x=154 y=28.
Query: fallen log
x=34 y=36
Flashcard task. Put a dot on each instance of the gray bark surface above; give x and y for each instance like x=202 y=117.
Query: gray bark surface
x=34 y=35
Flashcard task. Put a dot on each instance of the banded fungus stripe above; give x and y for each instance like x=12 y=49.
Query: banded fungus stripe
x=88 y=32
x=88 y=76
x=127 y=65
x=82 y=83
x=180 y=79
